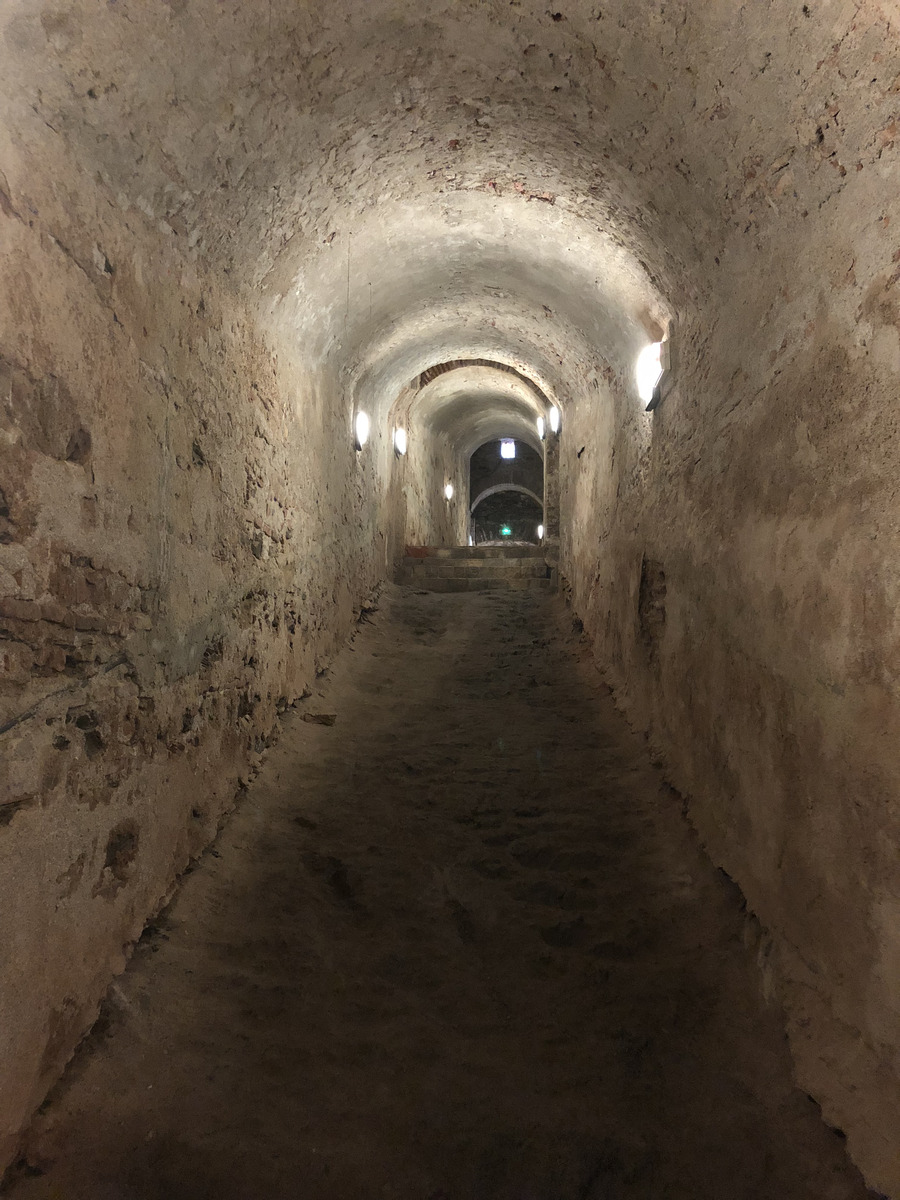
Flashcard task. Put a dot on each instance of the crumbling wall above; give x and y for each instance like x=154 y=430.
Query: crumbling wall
x=734 y=556
x=173 y=572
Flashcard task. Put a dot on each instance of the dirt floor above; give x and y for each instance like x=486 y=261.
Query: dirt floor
x=460 y=944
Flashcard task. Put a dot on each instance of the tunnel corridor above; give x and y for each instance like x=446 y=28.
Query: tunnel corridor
x=272 y=276
x=506 y=492
x=456 y=942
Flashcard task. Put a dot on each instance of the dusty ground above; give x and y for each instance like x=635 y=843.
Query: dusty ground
x=459 y=944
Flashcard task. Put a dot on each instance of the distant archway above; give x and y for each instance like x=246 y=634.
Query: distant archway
x=507 y=514
x=505 y=487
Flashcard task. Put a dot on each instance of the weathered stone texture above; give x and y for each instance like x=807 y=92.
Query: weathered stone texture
x=168 y=582
x=225 y=227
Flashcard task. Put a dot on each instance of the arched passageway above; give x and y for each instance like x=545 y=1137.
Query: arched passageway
x=506 y=492
x=227 y=232
x=508 y=513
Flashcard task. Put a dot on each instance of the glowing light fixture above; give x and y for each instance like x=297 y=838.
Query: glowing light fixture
x=448 y=491
x=651 y=363
x=507 y=448
x=540 y=428
x=505 y=531
x=554 y=419
x=540 y=532
x=361 y=429
x=400 y=440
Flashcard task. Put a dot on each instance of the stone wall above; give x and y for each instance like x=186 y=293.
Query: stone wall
x=172 y=574
x=214 y=227
x=744 y=602
x=428 y=518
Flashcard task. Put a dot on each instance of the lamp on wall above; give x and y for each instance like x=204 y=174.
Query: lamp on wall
x=652 y=363
x=448 y=491
x=361 y=429
x=541 y=428
x=400 y=441
x=554 y=419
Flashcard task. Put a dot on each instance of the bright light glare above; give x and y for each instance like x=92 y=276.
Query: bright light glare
x=400 y=441
x=448 y=491
x=505 y=531
x=648 y=371
x=361 y=426
x=507 y=448
x=554 y=419
x=540 y=427
x=540 y=532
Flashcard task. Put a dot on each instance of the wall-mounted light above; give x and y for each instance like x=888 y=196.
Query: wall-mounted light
x=448 y=491
x=541 y=428
x=651 y=364
x=554 y=419
x=540 y=532
x=361 y=429
x=400 y=440
x=507 y=448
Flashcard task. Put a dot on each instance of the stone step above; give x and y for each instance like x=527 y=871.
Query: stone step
x=477 y=568
x=464 y=567
x=491 y=552
x=478 y=583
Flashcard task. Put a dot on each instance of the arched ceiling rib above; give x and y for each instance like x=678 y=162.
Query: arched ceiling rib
x=441 y=368
x=474 y=278
x=500 y=260
x=485 y=403
x=477 y=404
x=354 y=203
x=505 y=487
x=394 y=184
x=249 y=128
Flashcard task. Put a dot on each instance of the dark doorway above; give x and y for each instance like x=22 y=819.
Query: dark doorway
x=506 y=488
x=507 y=516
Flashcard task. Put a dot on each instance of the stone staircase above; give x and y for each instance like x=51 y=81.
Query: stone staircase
x=476 y=569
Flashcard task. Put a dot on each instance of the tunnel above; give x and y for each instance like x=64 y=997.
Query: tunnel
x=275 y=275
x=506 y=492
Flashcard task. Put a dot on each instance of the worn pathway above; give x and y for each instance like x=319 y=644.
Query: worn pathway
x=459 y=945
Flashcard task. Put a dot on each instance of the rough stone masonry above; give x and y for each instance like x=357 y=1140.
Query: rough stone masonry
x=225 y=228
